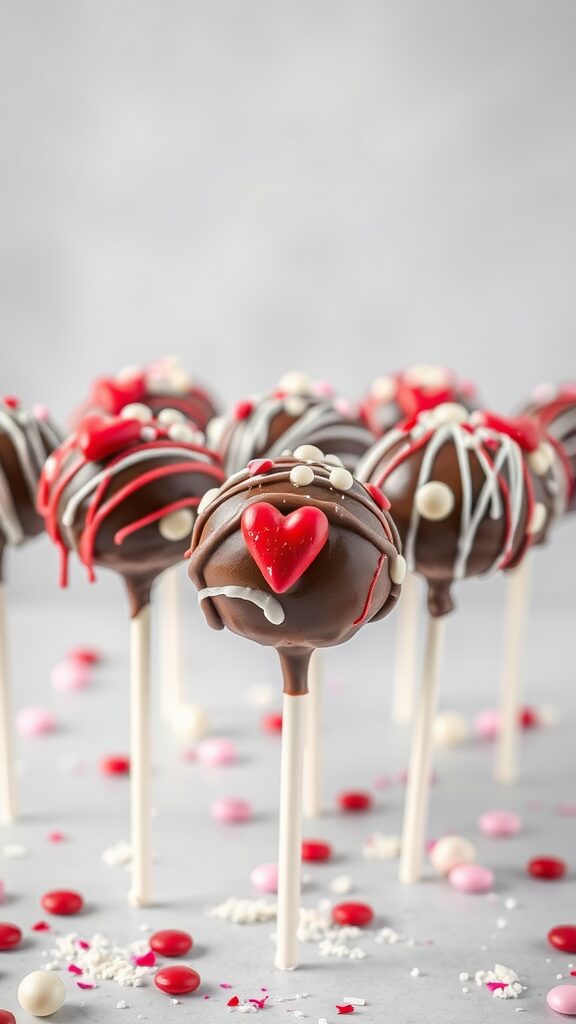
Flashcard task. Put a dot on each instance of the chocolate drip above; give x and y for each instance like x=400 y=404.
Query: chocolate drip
x=138 y=589
x=295 y=662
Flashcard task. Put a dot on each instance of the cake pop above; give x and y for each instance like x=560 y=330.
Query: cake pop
x=27 y=436
x=401 y=396
x=297 y=412
x=463 y=502
x=554 y=408
x=122 y=492
x=296 y=554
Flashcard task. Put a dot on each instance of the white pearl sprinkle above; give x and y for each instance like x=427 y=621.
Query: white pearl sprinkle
x=333 y=460
x=148 y=434
x=542 y=459
x=296 y=383
x=182 y=432
x=301 y=476
x=383 y=389
x=309 y=453
x=341 y=479
x=398 y=569
x=434 y=500
x=176 y=525
x=537 y=519
x=450 y=412
x=167 y=416
x=137 y=411
x=295 y=405
x=425 y=376
x=207 y=499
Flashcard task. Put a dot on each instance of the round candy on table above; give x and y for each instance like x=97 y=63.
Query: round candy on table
x=450 y=729
x=471 y=878
x=316 y=850
x=451 y=851
x=10 y=935
x=487 y=724
x=86 y=655
x=549 y=869
x=189 y=722
x=34 y=721
x=115 y=764
x=563 y=937
x=41 y=993
x=500 y=824
x=231 y=810
x=6 y=1017
x=216 y=751
x=62 y=902
x=355 y=801
x=265 y=878
x=563 y=999
x=171 y=942
x=70 y=675
x=272 y=722
x=358 y=915
x=177 y=981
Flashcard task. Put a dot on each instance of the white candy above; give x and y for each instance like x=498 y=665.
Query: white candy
x=450 y=851
x=176 y=525
x=167 y=416
x=450 y=729
x=450 y=412
x=383 y=388
x=341 y=479
x=309 y=452
x=398 y=569
x=207 y=499
x=296 y=383
x=183 y=432
x=537 y=519
x=137 y=411
x=189 y=722
x=301 y=476
x=148 y=433
x=41 y=993
x=294 y=405
x=434 y=500
x=542 y=459
x=333 y=460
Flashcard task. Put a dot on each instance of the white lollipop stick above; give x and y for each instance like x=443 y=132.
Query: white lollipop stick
x=171 y=631
x=506 y=767
x=140 y=766
x=312 y=798
x=7 y=787
x=406 y=647
x=294 y=721
x=420 y=767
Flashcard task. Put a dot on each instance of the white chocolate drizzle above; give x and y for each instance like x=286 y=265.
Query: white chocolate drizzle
x=271 y=607
x=32 y=438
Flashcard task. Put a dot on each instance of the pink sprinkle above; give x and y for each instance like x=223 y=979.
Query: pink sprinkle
x=85 y=985
x=260 y=1003
x=70 y=676
x=74 y=969
x=216 y=751
x=494 y=985
x=224 y=984
x=41 y=926
x=56 y=837
x=146 y=960
x=41 y=412
x=263 y=988
x=82 y=944
x=566 y=810
x=87 y=655
x=34 y=721
x=231 y=810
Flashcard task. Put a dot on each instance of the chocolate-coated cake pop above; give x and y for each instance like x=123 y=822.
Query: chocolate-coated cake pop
x=27 y=437
x=296 y=554
x=460 y=494
x=401 y=396
x=555 y=410
x=163 y=384
x=297 y=412
x=122 y=492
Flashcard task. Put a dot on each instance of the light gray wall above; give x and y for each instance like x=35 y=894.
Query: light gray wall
x=342 y=186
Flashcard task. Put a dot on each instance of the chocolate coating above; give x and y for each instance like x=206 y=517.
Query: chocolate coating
x=401 y=396
x=458 y=515
x=347 y=583
x=554 y=408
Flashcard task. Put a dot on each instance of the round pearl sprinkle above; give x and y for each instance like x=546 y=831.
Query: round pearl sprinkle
x=562 y=999
x=316 y=850
x=6 y=1017
x=34 y=721
x=434 y=501
x=563 y=937
x=451 y=851
x=137 y=411
x=171 y=942
x=301 y=476
x=10 y=936
x=168 y=416
x=177 y=981
x=471 y=878
x=341 y=479
x=355 y=801
x=70 y=675
x=500 y=824
x=115 y=764
x=265 y=878
x=231 y=810
x=207 y=499
x=309 y=453
x=216 y=751
x=549 y=869
x=487 y=724
x=189 y=722
x=450 y=730
x=62 y=902
x=176 y=525
x=41 y=993
x=357 y=915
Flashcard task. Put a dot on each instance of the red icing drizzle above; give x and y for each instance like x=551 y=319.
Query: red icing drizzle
x=370 y=595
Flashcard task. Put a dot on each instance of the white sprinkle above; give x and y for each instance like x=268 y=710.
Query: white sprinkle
x=294 y=405
x=309 y=453
x=398 y=569
x=354 y=1000
x=290 y=999
x=176 y=1002
x=415 y=972
x=510 y=903
x=381 y=847
x=322 y=1020
x=122 y=1005
x=14 y=851
x=186 y=434
x=465 y=991
x=301 y=476
x=103 y=960
x=145 y=927
x=341 y=885
x=176 y=525
x=559 y=977
x=148 y=434
x=118 y=856
x=341 y=479
x=137 y=411
x=333 y=460
x=260 y=696
x=501 y=923
x=464 y=976
x=207 y=499
x=168 y=416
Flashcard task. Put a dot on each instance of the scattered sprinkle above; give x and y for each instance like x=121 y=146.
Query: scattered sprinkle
x=14 y=851
x=381 y=847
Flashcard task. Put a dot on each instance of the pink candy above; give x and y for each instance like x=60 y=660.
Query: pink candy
x=471 y=878
x=231 y=810
x=34 y=721
x=501 y=824
x=265 y=878
x=70 y=675
x=487 y=724
x=563 y=999
x=216 y=751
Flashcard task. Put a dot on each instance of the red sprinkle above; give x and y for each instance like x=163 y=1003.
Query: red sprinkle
x=242 y=410
x=56 y=837
x=380 y=499
x=529 y=718
x=41 y=926
x=74 y=969
x=547 y=868
x=347 y=1008
x=11 y=402
x=316 y=850
x=355 y=801
x=146 y=960
x=171 y=942
x=10 y=936
x=233 y=1002
x=260 y=1003
x=357 y=914
x=115 y=764
x=563 y=937
x=87 y=655
x=177 y=981
x=256 y=466
x=62 y=902
x=272 y=722
x=495 y=985
x=84 y=985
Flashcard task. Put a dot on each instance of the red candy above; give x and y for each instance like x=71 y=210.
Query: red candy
x=62 y=902
x=346 y=1008
x=116 y=764
x=563 y=937
x=87 y=655
x=283 y=547
x=272 y=723
x=528 y=718
x=315 y=849
x=10 y=936
x=357 y=914
x=177 y=981
x=547 y=868
x=243 y=409
x=355 y=801
x=6 y=1017
x=171 y=942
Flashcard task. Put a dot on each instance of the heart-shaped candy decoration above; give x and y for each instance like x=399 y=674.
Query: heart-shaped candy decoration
x=98 y=437
x=283 y=547
x=113 y=394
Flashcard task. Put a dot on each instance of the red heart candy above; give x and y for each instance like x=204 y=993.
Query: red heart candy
x=113 y=395
x=99 y=438
x=283 y=547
